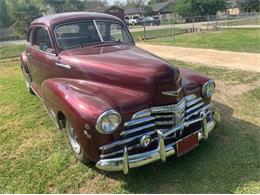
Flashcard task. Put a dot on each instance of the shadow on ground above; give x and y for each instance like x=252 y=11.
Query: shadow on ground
x=221 y=164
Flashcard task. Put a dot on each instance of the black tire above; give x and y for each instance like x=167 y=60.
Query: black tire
x=74 y=143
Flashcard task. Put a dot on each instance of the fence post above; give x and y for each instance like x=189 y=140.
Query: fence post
x=144 y=31
x=216 y=22
x=207 y=23
x=228 y=21
x=173 y=26
x=193 y=24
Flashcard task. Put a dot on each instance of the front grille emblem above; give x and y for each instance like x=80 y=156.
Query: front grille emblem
x=145 y=141
x=172 y=93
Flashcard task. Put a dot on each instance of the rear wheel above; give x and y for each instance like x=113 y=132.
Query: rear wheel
x=75 y=144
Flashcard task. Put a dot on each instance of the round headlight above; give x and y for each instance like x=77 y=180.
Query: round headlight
x=208 y=89
x=108 y=122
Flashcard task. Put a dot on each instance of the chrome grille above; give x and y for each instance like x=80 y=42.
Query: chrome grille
x=147 y=122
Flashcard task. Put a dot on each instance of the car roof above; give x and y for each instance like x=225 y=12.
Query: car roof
x=55 y=19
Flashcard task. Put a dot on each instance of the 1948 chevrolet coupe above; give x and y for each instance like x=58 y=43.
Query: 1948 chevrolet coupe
x=121 y=106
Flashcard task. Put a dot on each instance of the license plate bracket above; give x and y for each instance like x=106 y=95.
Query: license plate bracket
x=187 y=144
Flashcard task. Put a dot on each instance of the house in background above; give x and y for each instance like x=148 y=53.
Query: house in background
x=115 y=11
x=136 y=11
x=162 y=10
x=112 y=10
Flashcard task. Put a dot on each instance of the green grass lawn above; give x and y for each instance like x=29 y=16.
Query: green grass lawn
x=35 y=156
x=242 y=40
x=10 y=51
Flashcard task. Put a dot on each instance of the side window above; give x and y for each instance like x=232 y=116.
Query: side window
x=71 y=30
x=42 y=40
x=112 y=32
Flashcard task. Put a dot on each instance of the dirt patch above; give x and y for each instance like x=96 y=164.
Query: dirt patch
x=34 y=140
x=208 y=57
x=98 y=184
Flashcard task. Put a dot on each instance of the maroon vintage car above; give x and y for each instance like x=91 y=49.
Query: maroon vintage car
x=121 y=106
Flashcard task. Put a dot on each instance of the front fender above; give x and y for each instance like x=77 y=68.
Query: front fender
x=192 y=82
x=82 y=102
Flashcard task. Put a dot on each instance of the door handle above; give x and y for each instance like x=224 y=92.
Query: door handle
x=63 y=65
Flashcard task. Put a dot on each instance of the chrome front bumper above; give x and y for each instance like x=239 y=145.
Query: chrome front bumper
x=162 y=152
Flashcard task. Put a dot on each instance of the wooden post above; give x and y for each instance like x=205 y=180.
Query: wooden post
x=144 y=32
x=193 y=24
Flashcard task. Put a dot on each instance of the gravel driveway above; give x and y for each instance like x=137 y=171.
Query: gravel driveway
x=209 y=57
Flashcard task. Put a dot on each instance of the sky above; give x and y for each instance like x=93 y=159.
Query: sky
x=111 y=2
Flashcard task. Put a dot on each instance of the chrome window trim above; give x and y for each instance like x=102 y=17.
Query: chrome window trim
x=89 y=20
x=99 y=34
x=32 y=45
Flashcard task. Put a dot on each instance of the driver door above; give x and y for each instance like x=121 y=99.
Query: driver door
x=42 y=57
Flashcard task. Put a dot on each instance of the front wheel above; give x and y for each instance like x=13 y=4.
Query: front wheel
x=75 y=145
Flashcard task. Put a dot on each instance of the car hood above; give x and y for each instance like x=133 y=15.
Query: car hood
x=126 y=66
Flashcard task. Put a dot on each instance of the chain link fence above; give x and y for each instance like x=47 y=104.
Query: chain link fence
x=152 y=27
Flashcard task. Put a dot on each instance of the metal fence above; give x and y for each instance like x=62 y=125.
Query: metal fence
x=7 y=34
x=157 y=28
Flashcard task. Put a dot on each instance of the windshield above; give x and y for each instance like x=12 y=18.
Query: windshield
x=90 y=32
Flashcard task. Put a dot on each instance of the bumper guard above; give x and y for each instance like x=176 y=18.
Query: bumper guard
x=162 y=152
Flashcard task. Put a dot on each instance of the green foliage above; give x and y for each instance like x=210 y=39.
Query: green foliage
x=93 y=5
x=147 y=11
x=23 y=12
x=155 y=1
x=249 y=5
x=189 y=8
x=59 y=6
x=5 y=19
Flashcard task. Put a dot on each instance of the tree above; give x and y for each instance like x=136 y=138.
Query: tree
x=74 y=5
x=120 y=4
x=249 y=5
x=155 y=1
x=93 y=5
x=147 y=11
x=66 y=5
x=5 y=19
x=23 y=12
x=135 y=3
x=189 y=8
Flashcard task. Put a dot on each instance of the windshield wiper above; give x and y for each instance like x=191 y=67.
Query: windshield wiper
x=109 y=43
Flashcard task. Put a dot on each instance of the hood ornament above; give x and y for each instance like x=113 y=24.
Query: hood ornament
x=172 y=93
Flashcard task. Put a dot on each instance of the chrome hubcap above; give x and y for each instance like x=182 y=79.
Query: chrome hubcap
x=73 y=139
